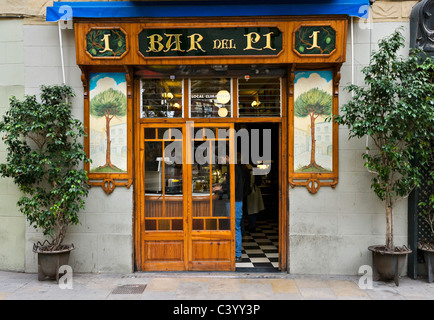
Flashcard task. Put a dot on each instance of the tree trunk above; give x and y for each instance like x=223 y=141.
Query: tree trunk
x=108 y=162
x=389 y=225
x=312 y=133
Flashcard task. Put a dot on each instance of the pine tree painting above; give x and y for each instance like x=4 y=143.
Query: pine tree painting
x=313 y=104
x=108 y=110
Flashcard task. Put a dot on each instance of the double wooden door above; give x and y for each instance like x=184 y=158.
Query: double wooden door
x=186 y=214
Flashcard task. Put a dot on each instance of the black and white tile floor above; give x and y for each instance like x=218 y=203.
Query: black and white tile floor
x=260 y=249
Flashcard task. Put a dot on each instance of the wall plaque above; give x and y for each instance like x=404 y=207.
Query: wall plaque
x=106 y=43
x=315 y=40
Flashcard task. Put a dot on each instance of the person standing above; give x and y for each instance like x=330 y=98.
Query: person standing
x=239 y=195
x=255 y=202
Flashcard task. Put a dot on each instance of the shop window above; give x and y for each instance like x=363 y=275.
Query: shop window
x=210 y=98
x=259 y=97
x=161 y=98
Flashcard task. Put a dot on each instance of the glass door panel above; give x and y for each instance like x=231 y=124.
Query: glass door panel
x=211 y=205
x=163 y=180
x=212 y=242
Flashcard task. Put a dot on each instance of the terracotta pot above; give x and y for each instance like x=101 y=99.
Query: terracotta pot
x=388 y=265
x=49 y=262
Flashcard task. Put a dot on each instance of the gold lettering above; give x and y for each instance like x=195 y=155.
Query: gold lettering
x=217 y=44
x=106 y=43
x=315 y=41
x=176 y=42
x=252 y=38
x=268 y=37
x=153 y=40
x=224 y=44
x=194 y=43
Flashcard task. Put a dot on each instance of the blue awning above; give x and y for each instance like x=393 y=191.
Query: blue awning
x=200 y=8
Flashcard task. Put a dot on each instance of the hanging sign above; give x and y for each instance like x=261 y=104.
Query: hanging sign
x=203 y=42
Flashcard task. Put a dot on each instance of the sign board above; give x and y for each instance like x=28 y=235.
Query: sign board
x=203 y=42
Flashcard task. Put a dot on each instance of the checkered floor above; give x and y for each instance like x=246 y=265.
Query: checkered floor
x=260 y=252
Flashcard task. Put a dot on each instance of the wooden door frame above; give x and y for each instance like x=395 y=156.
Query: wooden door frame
x=283 y=169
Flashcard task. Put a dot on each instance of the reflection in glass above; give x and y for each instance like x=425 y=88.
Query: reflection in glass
x=163 y=180
x=259 y=97
x=173 y=169
x=153 y=168
x=210 y=98
x=211 y=207
x=161 y=98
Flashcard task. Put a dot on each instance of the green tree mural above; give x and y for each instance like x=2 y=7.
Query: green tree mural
x=313 y=103
x=109 y=104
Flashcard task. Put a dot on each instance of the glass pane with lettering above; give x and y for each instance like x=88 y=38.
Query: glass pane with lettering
x=211 y=98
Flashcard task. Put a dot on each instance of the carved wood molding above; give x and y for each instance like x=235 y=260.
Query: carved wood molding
x=313 y=184
x=109 y=185
x=85 y=81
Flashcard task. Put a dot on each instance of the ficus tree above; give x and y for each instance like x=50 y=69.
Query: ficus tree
x=395 y=109
x=44 y=153
x=312 y=104
x=108 y=104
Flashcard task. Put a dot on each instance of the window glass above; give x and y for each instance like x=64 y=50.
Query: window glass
x=161 y=98
x=259 y=97
x=210 y=180
x=210 y=98
x=163 y=179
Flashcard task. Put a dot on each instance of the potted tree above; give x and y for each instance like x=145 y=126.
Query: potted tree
x=395 y=109
x=43 y=155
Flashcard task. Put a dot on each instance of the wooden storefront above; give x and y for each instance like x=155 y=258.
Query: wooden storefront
x=180 y=223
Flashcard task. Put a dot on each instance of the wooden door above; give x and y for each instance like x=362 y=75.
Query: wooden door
x=185 y=225
x=162 y=204
x=211 y=212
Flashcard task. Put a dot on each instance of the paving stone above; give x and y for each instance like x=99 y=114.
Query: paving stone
x=231 y=286
x=284 y=286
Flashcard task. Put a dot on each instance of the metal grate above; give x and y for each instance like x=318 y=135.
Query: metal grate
x=424 y=192
x=130 y=289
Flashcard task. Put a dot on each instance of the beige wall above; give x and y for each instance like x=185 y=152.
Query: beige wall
x=12 y=222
